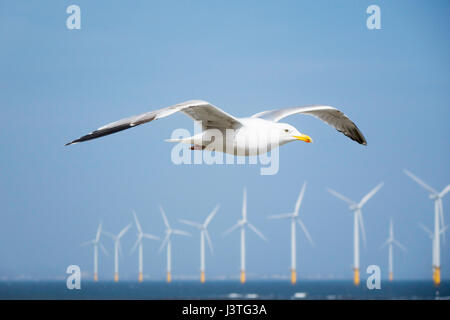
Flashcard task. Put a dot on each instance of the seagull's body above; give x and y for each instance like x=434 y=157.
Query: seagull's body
x=238 y=136
x=242 y=141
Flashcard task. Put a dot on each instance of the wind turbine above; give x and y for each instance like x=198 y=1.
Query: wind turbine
x=390 y=241
x=117 y=248
x=203 y=233
x=295 y=218
x=167 y=241
x=140 y=236
x=431 y=235
x=357 y=219
x=438 y=215
x=242 y=224
x=96 y=243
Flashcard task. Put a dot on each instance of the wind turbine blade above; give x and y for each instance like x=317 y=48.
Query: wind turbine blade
x=444 y=229
x=163 y=244
x=244 y=206
x=340 y=196
x=99 y=231
x=138 y=226
x=305 y=231
x=420 y=182
x=370 y=195
x=109 y=234
x=211 y=215
x=135 y=245
x=231 y=229
x=300 y=198
x=426 y=230
x=257 y=231
x=361 y=224
x=166 y=222
x=384 y=244
x=83 y=244
x=181 y=233
x=150 y=236
x=122 y=232
x=103 y=249
x=190 y=223
x=444 y=192
x=209 y=241
x=400 y=245
x=281 y=216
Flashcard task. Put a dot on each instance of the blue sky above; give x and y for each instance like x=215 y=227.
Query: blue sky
x=57 y=84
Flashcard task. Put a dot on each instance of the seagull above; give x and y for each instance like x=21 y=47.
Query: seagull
x=214 y=120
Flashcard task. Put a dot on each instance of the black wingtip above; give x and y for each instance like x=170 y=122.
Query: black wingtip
x=72 y=142
x=103 y=132
x=362 y=140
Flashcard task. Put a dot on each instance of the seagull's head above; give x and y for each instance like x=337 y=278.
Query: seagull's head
x=288 y=133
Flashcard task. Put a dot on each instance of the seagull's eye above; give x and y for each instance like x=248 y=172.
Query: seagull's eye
x=286 y=130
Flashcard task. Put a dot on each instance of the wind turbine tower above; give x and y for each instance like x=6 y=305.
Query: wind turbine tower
x=117 y=249
x=96 y=242
x=242 y=224
x=138 y=244
x=438 y=218
x=432 y=237
x=294 y=217
x=390 y=242
x=357 y=220
x=203 y=233
x=167 y=242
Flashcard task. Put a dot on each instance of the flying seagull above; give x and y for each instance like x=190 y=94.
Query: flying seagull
x=214 y=119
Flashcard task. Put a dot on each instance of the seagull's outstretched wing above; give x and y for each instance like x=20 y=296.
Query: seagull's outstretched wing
x=198 y=110
x=330 y=115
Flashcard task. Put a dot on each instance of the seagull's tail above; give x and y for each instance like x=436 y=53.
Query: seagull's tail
x=175 y=140
x=188 y=140
x=191 y=141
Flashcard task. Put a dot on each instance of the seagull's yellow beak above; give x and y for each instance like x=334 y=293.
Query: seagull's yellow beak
x=303 y=137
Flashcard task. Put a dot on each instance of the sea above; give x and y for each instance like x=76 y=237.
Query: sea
x=223 y=290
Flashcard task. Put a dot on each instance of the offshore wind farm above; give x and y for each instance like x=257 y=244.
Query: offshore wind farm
x=243 y=223
x=225 y=150
x=152 y=287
